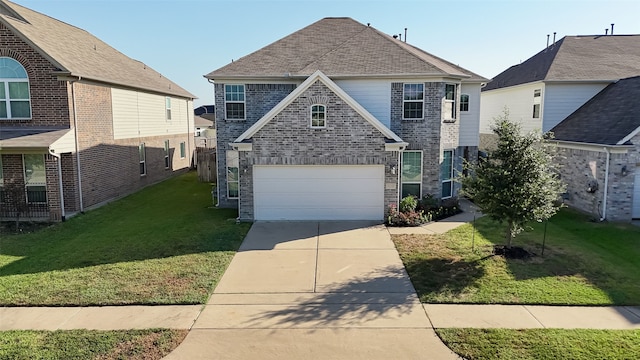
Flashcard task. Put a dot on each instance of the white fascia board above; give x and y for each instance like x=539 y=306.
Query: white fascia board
x=630 y=136
x=317 y=76
x=614 y=149
x=399 y=146
x=242 y=146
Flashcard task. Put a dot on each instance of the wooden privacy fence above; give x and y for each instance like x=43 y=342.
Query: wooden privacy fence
x=206 y=164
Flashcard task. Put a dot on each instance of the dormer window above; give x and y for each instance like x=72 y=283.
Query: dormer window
x=15 y=101
x=318 y=116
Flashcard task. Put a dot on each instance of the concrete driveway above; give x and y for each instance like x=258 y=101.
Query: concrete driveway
x=316 y=290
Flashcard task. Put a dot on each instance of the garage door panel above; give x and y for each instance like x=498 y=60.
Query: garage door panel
x=319 y=192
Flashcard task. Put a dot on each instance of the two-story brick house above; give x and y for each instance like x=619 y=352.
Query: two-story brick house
x=80 y=122
x=338 y=121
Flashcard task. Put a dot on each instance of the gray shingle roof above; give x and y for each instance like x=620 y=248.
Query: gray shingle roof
x=577 y=58
x=76 y=51
x=340 y=47
x=607 y=118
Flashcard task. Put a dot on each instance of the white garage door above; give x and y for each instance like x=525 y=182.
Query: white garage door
x=636 y=195
x=318 y=192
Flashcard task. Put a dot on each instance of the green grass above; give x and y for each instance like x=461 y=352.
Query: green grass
x=162 y=245
x=584 y=263
x=89 y=345
x=541 y=344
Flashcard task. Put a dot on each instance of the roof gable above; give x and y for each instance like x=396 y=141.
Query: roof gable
x=340 y=47
x=613 y=109
x=81 y=54
x=577 y=58
x=318 y=76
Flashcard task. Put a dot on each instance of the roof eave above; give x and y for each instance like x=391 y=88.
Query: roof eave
x=594 y=145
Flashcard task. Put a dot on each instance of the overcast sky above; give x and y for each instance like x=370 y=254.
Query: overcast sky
x=185 y=39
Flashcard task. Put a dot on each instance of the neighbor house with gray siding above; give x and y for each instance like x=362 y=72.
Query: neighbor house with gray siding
x=339 y=121
x=543 y=90
x=80 y=123
x=599 y=153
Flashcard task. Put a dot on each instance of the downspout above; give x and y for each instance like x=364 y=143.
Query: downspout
x=59 y=160
x=75 y=126
x=217 y=153
x=606 y=185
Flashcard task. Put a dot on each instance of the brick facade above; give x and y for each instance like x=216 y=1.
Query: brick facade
x=580 y=166
x=109 y=168
x=260 y=98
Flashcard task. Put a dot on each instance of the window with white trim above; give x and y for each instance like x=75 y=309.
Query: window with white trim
x=411 y=174
x=15 y=99
x=446 y=174
x=183 y=150
x=166 y=154
x=449 y=106
x=234 y=102
x=464 y=102
x=35 y=178
x=233 y=179
x=143 y=159
x=413 y=101
x=537 y=97
x=167 y=102
x=318 y=116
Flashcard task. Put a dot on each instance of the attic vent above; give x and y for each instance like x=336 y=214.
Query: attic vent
x=318 y=100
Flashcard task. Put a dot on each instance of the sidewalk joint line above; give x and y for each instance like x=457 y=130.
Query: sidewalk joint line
x=538 y=320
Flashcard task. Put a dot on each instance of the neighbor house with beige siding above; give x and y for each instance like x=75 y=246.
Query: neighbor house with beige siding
x=81 y=123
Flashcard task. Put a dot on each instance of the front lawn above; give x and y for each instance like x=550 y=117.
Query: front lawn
x=541 y=344
x=162 y=245
x=584 y=263
x=89 y=345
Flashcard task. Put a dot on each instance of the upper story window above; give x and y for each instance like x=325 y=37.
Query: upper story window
x=413 y=101
x=318 y=116
x=234 y=102
x=168 y=107
x=15 y=102
x=449 y=107
x=464 y=102
x=537 y=96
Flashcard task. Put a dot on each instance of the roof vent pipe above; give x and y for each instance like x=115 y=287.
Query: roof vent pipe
x=547 y=42
x=405 y=34
x=612 y=29
x=606 y=32
x=400 y=36
x=554 y=38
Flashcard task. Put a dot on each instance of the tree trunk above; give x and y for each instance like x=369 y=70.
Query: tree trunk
x=509 y=234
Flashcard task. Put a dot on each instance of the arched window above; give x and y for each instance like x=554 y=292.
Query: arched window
x=15 y=101
x=318 y=116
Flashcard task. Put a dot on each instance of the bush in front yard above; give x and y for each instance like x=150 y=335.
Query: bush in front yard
x=414 y=212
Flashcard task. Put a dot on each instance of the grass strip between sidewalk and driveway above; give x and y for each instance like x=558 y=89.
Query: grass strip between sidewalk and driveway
x=542 y=344
x=165 y=244
x=89 y=345
x=584 y=263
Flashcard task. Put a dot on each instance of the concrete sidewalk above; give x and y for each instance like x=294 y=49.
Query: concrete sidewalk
x=439 y=315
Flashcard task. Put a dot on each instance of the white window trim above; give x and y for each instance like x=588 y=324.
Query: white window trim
x=8 y=99
x=450 y=179
x=167 y=103
x=311 y=117
x=537 y=100
x=421 y=171
x=454 y=114
x=167 y=157
x=142 y=150
x=468 y=102
x=413 y=101
x=244 y=102
x=183 y=150
x=227 y=172
x=26 y=186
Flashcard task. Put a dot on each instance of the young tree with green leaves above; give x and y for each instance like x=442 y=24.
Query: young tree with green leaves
x=516 y=183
